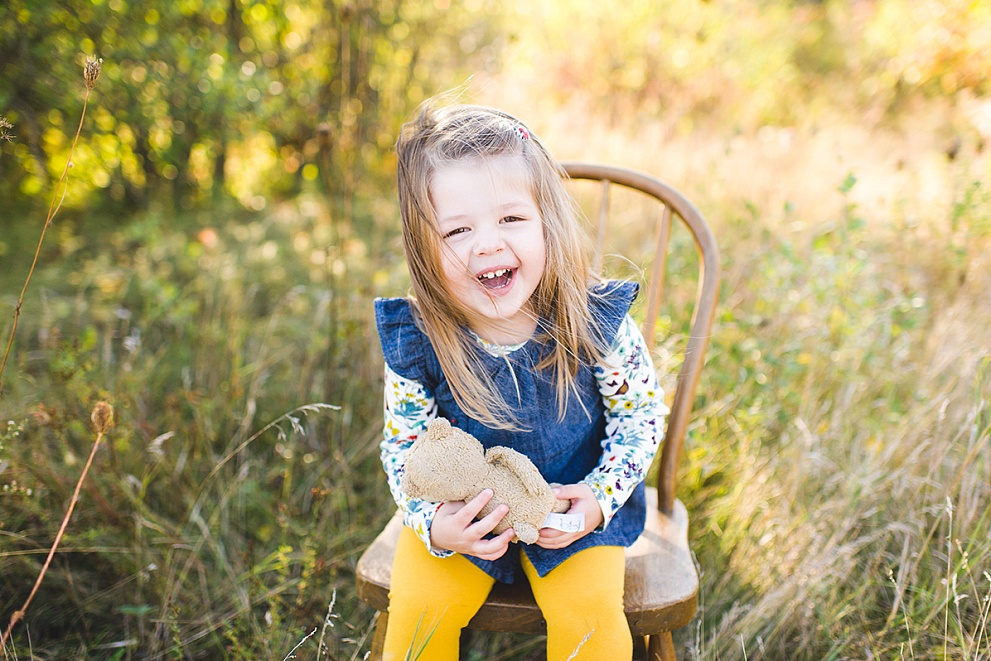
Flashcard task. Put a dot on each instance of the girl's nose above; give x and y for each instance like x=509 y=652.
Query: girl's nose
x=488 y=240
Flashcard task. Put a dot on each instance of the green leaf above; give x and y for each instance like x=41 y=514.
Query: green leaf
x=848 y=183
x=138 y=610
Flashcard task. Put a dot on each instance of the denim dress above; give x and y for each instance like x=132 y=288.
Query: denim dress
x=563 y=450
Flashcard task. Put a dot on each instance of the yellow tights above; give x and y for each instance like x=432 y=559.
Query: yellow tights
x=432 y=599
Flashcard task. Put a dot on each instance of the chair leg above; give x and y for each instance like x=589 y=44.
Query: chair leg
x=640 y=648
x=661 y=647
x=378 y=640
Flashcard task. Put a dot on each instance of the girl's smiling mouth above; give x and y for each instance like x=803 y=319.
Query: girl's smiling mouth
x=496 y=279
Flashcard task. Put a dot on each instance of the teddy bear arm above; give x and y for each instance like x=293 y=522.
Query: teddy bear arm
x=526 y=532
x=531 y=479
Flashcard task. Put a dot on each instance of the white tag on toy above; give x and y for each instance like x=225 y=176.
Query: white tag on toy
x=565 y=522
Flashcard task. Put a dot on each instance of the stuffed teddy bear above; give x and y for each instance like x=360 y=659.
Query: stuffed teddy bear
x=448 y=464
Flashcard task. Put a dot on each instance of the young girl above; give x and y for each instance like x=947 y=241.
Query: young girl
x=511 y=338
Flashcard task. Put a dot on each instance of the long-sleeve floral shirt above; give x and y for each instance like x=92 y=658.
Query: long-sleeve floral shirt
x=634 y=410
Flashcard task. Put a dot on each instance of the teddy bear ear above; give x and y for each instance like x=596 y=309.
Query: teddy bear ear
x=438 y=425
x=530 y=478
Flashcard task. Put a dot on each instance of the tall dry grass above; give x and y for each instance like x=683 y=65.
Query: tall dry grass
x=854 y=443
x=836 y=476
x=222 y=514
x=838 y=473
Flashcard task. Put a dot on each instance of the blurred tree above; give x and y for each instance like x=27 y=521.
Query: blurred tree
x=748 y=63
x=206 y=99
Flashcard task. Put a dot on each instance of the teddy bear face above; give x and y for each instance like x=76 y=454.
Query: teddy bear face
x=448 y=464
x=445 y=464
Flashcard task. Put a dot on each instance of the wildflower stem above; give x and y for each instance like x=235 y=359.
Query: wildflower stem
x=327 y=622
x=292 y=652
x=949 y=563
x=53 y=208
x=19 y=614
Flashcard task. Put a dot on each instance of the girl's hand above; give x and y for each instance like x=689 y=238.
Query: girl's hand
x=583 y=501
x=454 y=528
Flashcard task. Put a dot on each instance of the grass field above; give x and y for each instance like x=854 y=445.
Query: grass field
x=837 y=474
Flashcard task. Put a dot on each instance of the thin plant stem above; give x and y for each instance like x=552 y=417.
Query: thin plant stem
x=908 y=630
x=292 y=652
x=327 y=622
x=415 y=647
x=949 y=562
x=982 y=621
x=53 y=208
x=578 y=649
x=305 y=408
x=101 y=430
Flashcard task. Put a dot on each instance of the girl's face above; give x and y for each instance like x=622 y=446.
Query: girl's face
x=493 y=243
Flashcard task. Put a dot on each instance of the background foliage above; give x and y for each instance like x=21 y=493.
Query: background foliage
x=230 y=215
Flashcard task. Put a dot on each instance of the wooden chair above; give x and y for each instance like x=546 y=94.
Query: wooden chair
x=661 y=589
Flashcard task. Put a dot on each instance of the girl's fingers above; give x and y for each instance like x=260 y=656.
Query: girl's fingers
x=472 y=509
x=552 y=539
x=567 y=491
x=486 y=524
x=583 y=502
x=495 y=547
x=491 y=549
x=474 y=506
x=558 y=543
x=455 y=528
x=550 y=535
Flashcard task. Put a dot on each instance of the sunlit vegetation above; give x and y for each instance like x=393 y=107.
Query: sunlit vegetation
x=230 y=216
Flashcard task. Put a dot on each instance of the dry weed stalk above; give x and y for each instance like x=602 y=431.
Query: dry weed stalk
x=5 y=126
x=91 y=73
x=327 y=623
x=102 y=418
x=292 y=652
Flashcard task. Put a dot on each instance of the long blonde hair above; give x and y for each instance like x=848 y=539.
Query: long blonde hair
x=441 y=135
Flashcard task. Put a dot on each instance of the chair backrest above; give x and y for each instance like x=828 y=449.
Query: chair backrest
x=671 y=206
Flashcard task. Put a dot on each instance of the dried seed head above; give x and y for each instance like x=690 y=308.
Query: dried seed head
x=5 y=126
x=91 y=71
x=102 y=417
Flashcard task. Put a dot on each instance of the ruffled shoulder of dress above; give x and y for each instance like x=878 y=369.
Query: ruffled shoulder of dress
x=609 y=302
x=403 y=341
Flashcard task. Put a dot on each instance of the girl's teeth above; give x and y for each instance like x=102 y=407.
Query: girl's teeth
x=493 y=274
x=496 y=279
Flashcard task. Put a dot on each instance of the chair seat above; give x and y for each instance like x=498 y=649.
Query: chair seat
x=661 y=589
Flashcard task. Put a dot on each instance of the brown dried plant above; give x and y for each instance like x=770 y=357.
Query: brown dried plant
x=5 y=134
x=5 y=126
x=91 y=73
x=102 y=418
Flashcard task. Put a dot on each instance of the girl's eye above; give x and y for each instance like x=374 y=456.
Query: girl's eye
x=455 y=232
x=511 y=219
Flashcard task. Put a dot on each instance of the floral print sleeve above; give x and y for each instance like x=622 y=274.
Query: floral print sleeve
x=635 y=413
x=409 y=406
